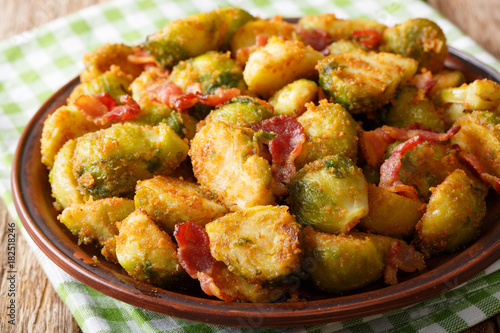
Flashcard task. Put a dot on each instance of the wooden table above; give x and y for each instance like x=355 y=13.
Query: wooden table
x=39 y=307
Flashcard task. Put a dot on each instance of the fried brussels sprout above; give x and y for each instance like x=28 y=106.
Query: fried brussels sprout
x=478 y=95
x=330 y=130
x=242 y=111
x=109 y=162
x=342 y=46
x=260 y=243
x=447 y=79
x=62 y=181
x=338 y=28
x=292 y=98
x=66 y=123
x=210 y=70
x=330 y=194
x=114 y=82
x=169 y=201
x=100 y=61
x=363 y=81
x=391 y=214
x=479 y=135
x=145 y=251
x=227 y=164
x=196 y=34
x=94 y=221
x=279 y=62
x=453 y=216
x=426 y=166
x=420 y=39
x=338 y=263
x=246 y=36
x=453 y=112
x=411 y=106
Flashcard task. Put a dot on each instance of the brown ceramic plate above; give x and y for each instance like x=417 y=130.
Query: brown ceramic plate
x=33 y=202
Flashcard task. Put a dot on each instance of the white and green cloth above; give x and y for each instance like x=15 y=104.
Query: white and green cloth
x=34 y=64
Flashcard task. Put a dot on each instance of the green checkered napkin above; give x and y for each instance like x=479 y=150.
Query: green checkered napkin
x=33 y=65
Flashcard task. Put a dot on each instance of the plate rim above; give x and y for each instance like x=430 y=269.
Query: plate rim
x=251 y=314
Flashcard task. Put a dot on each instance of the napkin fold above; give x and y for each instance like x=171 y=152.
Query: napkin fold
x=34 y=64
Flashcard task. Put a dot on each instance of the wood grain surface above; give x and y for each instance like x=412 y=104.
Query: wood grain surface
x=39 y=309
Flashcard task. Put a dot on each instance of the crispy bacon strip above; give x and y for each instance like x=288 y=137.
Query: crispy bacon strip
x=194 y=248
x=405 y=134
x=195 y=257
x=317 y=38
x=478 y=168
x=389 y=171
x=128 y=111
x=404 y=257
x=424 y=81
x=91 y=106
x=373 y=144
x=368 y=37
x=106 y=99
x=172 y=95
x=102 y=108
x=286 y=145
x=218 y=97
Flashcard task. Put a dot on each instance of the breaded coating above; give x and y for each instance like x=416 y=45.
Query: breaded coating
x=101 y=59
x=339 y=28
x=62 y=181
x=453 y=216
x=169 y=200
x=94 y=221
x=330 y=130
x=330 y=194
x=111 y=161
x=278 y=63
x=66 y=123
x=364 y=81
x=145 y=251
x=227 y=163
x=196 y=34
x=479 y=135
x=261 y=244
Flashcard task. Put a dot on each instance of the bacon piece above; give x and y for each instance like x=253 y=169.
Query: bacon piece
x=128 y=111
x=261 y=40
x=195 y=257
x=317 y=38
x=194 y=249
x=405 y=134
x=102 y=108
x=373 y=144
x=476 y=166
x=389 y=171
x=221 y=283
x=424 y=81
x=368 y=37
x=404 y=257
x=106 y=99
x=142 y=57
x=286 y=145
x=172 y=95
x=218 y=97
x=91 y=106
